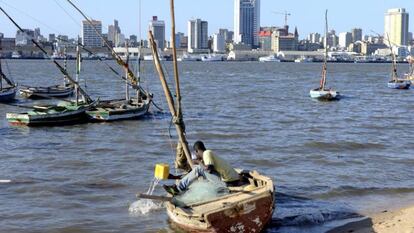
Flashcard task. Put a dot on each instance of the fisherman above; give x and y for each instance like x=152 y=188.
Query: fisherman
x=210 y=167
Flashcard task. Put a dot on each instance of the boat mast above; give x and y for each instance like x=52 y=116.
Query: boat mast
x=131 y=77
x=394 y=74
x=325 y=57
x=126 y=72
x=61 y=69
x=78 y=68
x=139 y=54
x=65 y=65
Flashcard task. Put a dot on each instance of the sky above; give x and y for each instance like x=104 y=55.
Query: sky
x=57 y=16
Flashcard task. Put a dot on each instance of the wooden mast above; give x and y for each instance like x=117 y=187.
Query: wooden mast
x=179 y=124
x=394 y=74
x=325 y=57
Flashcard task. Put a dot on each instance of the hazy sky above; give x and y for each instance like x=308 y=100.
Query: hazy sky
x=57 y=16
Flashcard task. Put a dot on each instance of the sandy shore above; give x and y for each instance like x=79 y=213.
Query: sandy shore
x=388 y=221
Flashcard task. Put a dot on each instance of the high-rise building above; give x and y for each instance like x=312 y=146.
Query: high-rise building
x=345 y=38
x=25 y=37
x=219 y=44
x=52 y=37
x=113 y=33
x=89 y=36
x=396 y=26
x=314 y=37
x=197 y=36
x=158 y=30
x=247 y=22
x=356 y=34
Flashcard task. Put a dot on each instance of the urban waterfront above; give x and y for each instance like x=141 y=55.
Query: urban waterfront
x=329 y=160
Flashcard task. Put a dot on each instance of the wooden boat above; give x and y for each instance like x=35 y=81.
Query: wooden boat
x=67 y=113
x=61 y=114
x=57 y=91
x=322 y=92
x=112 y=110
x=118 y=109
x=396 y=82
x=245 y=209
x=7 y=93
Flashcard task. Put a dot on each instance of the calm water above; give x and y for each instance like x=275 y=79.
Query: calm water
x=330 y=160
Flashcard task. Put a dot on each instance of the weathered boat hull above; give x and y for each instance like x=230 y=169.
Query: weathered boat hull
x=50 y=119
x=103 y=113
x=325 y=95
x=405 y=84
x=8 y=94
x=245 y=211
x=57 y=91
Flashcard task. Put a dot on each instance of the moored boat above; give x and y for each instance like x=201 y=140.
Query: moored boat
x=61 y=114
x=7 y=93
x=121 y=109
x=56 y=91
x=399 y=84
x=212 y=57
x=322 y=92
x=270 y=58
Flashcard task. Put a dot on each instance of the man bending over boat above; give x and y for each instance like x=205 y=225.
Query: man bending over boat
x=210 y=167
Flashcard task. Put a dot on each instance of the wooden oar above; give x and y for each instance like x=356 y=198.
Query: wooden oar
x=153 y=197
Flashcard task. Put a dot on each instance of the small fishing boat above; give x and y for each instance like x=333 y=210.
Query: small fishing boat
x=246 y=208
x=62 y=114
x=7 y=93
x=57 y=91
x=396 y=82
x=322 y=92
x=68 y=112
x=111 y=110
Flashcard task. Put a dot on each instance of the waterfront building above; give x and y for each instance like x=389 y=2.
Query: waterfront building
x=158 y=30
x=396 y=26
x=265 y=40
x=89 y=36
x=282 y=40
x=219 y=44
x=228 y=35
x=314 y=38
x=247 y=22
x=345 y=38
x=197 y=36
x=113 y=33
x=52 y=38
x=356 y=34
x=24 y=38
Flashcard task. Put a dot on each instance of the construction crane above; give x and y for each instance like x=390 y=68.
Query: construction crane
x=283 y=13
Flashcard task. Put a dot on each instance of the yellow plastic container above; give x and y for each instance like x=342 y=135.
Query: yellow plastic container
x=161 y=171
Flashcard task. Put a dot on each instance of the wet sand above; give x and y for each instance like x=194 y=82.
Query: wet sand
x=388 y=221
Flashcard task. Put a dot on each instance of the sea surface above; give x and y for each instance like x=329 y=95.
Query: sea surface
x=330 y=161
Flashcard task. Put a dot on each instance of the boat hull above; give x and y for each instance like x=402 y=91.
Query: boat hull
x=105 y=112
x=404 y=84
x=57 y=91
x=8 y=94
x=36 y=118
x=246 y=211
x=325 y=95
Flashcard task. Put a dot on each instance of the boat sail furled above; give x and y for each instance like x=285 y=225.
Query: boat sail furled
x=323 y=93
x=246 y=208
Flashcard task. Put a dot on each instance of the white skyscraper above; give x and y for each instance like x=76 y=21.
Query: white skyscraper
x=396 y=26
x=197 y=35
x=247 y=21
x=158 y=30
x=219 y=43
x=345 y=38
x=89 y=36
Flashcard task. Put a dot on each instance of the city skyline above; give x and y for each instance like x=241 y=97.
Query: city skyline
x=61 y=18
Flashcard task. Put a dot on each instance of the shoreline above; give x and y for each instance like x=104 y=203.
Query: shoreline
x=387 y=221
